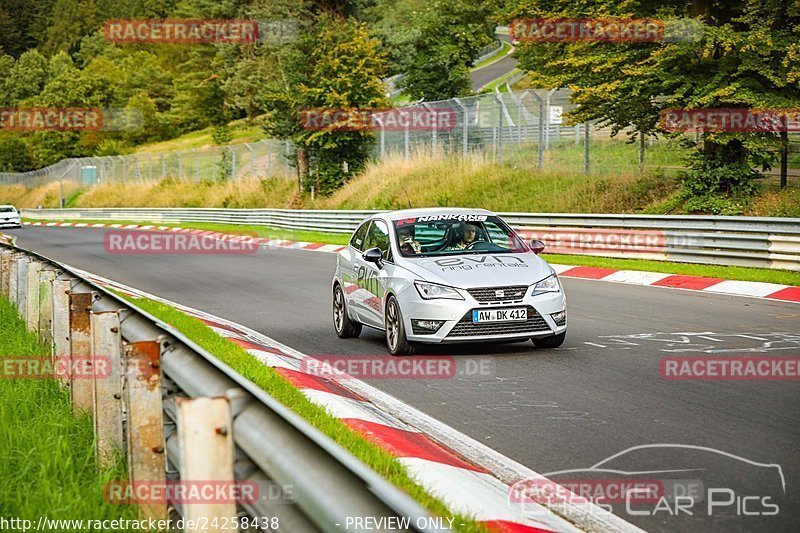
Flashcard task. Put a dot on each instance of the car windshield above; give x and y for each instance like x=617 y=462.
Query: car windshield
x=452 y=234
x=7 y=209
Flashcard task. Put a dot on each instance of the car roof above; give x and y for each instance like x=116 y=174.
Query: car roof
x=7 y=205
x=427 y=211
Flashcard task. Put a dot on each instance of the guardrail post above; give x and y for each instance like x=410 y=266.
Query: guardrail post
x=106 y=368
x=5 y=271
x=32 y=295
x=22 y=285
x=13 y=276
x=205 y=430
x=60 y=322
x=145 y=420
x=45 y=318
x=80 y=343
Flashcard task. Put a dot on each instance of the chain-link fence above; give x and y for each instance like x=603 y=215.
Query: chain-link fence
x=523 y=128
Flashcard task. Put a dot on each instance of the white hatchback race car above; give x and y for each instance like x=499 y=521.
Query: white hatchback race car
x=9 y=217
x=446 y=275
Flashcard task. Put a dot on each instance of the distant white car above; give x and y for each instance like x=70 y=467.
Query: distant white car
x=445 y=275
x=9 y=217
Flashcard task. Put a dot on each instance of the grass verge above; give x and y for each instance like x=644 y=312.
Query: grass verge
x=276 y=386
x=766 y=275
x=499 y=54
x=47 y=461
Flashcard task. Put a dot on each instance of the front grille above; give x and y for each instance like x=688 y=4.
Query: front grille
x=465 y=327
x=490 y=294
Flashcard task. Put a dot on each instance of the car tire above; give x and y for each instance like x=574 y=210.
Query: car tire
x=396 y=339
x=345 y=328
x=550 y=342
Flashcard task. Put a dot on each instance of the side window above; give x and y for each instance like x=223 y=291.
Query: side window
x=378 y=236
x=357 y=241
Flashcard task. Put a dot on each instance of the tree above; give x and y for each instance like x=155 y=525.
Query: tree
x=450 y=35
x=15 y=156
x=745 y=57
x=335 y=63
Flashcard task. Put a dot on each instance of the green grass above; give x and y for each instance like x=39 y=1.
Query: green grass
x=273 y=383
x=47 y=461
x=502 y=52
x=499 y=81
x=241 y=132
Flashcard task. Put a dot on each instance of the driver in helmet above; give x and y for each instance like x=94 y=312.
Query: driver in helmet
x=468 y=234
x=405 y=236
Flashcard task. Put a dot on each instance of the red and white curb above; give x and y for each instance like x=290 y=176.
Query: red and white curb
x=751 y=289
x=472 y=479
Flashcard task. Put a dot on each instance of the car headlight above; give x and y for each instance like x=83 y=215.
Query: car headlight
x=430 y=291
x=548 y=284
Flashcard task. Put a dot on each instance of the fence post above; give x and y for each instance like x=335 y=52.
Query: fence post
x=106 y=377
x=500 y=106
x=196 y=165
x=22 y=285
x=180 y=165
x=405 y=140
x=286 y=152
x=145 y=421
x=464 y=129
x=641 y=152
x=5 y=267
x=205 y=430
x=60 y=321
x=233 y=163
x=45 y=318
x=586 y=148
x=13 y=276
x=163 y=167
x=32 y=295
x=80 y=345
x=540 y=141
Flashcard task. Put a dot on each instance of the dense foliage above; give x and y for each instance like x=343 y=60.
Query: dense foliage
x=746 y=56
x=53 y=53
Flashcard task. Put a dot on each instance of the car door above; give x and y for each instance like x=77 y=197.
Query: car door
x=348 y=268
x=371 y=279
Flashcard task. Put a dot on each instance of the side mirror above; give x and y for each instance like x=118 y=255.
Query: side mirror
x=374 y=255
x=537 y=246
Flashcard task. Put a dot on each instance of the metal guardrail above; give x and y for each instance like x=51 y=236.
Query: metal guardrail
x=273 y=445
x=724 y=240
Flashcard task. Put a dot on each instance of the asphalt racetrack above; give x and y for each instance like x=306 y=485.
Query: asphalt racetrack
x=601 y=394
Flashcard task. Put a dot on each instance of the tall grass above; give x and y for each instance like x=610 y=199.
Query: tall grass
x=47 y=462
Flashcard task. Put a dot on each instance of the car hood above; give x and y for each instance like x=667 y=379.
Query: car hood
x=480 y=270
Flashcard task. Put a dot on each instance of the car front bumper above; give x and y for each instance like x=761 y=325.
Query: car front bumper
x=457 y=318
x=10 y=224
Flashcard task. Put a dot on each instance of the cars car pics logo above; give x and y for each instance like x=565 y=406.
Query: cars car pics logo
x=686 y=485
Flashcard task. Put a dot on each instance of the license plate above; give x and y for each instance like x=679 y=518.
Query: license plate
x=512 y=314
